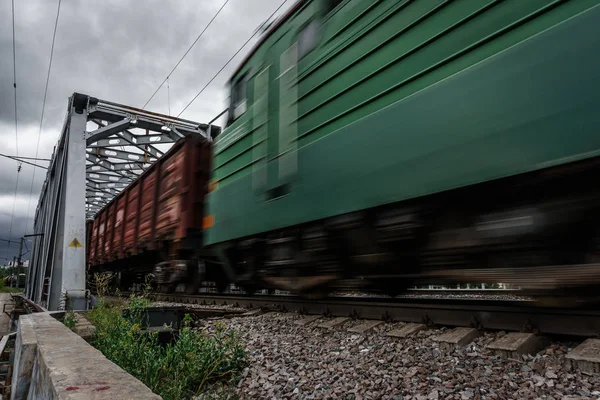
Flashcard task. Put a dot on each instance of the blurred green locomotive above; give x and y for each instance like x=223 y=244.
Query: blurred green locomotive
x=391 y=142
x=394 y=141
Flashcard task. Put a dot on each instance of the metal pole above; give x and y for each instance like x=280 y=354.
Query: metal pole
x=19 y=260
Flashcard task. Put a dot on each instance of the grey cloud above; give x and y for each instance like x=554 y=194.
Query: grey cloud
x=117 y=50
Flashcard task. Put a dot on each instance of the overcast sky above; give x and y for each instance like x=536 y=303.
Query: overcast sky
x=116 y=50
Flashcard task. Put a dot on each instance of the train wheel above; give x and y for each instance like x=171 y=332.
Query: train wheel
x=315 y=294
x=221 y=285
x=249 y=288
x=391 y=288
x=192 y=288
x=167 y=287
x=195 y=274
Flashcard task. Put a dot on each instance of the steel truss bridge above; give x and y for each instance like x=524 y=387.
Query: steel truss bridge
x=103 y=147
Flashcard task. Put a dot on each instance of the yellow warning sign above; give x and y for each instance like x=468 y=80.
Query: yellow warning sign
x=75 y=243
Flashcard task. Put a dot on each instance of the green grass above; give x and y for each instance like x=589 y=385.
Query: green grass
x=181 y=370
x=70 y=319
x=6 y=289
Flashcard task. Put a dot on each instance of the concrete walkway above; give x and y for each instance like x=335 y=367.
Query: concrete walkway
x=5 y=298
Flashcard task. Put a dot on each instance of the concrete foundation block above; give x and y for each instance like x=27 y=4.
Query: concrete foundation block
x=365 y=326
x=83 y=327
x=585 y=357
x=288 y=314
x=515 y=344
x=307 y=320
x=331 y=324
x=457 y=337
x=406 y=330
x=251 y=313
x=270 y=314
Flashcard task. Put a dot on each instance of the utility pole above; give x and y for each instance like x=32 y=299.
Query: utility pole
x=19 y=261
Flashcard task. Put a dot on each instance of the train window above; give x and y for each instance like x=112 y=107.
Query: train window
x=238 y=98
x=307 y=39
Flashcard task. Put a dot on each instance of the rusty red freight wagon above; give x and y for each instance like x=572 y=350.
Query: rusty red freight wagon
x=157 y=219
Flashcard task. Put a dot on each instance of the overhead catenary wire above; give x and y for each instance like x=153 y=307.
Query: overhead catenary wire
x=37 y=147
x=22 y=161
x=169 y=96
x=14 y=46
x=227 y=63
x=186 y=53
x=20 y=158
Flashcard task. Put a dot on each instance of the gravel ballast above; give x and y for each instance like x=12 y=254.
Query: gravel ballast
x=432 y=294
x=217 y=307
x=288 y=361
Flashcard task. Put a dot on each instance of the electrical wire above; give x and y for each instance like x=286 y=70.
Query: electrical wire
x=227 y=63
x=12 y=218
x=37 y=147
x=15 y=74
x=185 y=54
x=20 y=160
x=169 y=97
x=26 y=247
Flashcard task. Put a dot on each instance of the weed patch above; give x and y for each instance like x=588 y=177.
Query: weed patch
x=70 y=319
x=178 y=370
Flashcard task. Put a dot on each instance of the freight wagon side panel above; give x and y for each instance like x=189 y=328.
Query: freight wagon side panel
x=89 y=229
x=131 y=219
x=117 y=239
x=101 y=216
x=164 y=203
x=171 y=192
x=109 y=232
x=198 y=186
x=193 y=186
x=93 y=242
x=148 y=201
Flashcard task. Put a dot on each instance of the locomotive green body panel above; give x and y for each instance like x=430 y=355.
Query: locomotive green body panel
x=392 y=100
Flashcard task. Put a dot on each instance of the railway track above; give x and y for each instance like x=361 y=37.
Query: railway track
x=509 y=315
x=447 y=293
x=350 y=287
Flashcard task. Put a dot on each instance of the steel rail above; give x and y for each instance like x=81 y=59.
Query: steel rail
x=513 y=315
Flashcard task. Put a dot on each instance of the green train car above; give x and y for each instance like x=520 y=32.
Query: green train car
x=393 y=141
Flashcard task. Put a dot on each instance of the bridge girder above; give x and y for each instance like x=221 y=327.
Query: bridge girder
x=102 y=148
